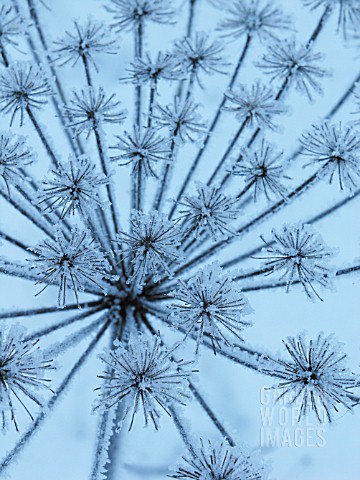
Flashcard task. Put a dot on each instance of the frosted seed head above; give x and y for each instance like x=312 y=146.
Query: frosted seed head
x=315 y=378
x=73 y=264
x=210 y=304
x=145 y=376
x=337 y=148
x=90 y=108
x=73 y=187
x=23 y=86
x=254 y=18
x=14 y=155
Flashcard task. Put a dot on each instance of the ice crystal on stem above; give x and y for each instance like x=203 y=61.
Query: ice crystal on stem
x=152 y=243
x=256 y=105
x=316 y=377
x=209 y=210
x=220 y=461
x=73 y=264
x=298 y=253
x=22 y=87
x=22 y=370
x=338 y=148
x=253 y=18
x=144 y=375
x=74 y=186
x=263 y=170
x=295 y=64
x=90 y=108
x=210 y=305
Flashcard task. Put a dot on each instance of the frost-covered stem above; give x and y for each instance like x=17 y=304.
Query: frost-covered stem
x=228 y=151
x=211 y=414
x=322 y=22
x=42 y=137
x=262 y=216
x=190 y=23
x=151 y=103
x=138 y=185
x=4 y=56
x=343 y=99
x=106 y=433
x=139 y=33
x=25 y=439
x=191 y=84
x=69 y=321
x=87 y=69
x=165 y=180
x=255 y=273
x=38 y=222
x=182 y=431
x=35 y=18
x=14 y=241
x=212 y=126
x=104 y=167
x=45 y=310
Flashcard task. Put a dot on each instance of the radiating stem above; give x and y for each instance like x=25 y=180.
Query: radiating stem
x=42 y=137
x=212 y=126
x=16 y=243
x=190 y=23
x=45 y=310
x=165 y=180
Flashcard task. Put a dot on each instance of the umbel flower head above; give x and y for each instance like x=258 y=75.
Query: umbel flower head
x=145 y=376
x=75 y=263
x=128 y=14
x=74 y=186
x=299 y=254
x=182 y=121
x=316 y=377
x=348 y=16
x=22 y=370
x=256 y=105
x=259 y=18
x=142 y=149
x=208 y=211
x=152 y=243
x=210 y=304
x=262 y=169
x=23 y=87
x=200 y=55
x=338 y=148
x=90 y=108
x=81 y=44
x=220 y=461
x=14 y=155
x=295 y=64
x=146 y=70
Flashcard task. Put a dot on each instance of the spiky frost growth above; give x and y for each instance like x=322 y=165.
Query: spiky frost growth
x=200 y=55
x=262 y=169
x=90 y=108
x=210 y=304
x=22 y=87
x=22 y=370
x=81 y=44
x=146 y=70
x=74 y=186
x=128 y=14
x=210 y=211
x=253 y=18
x=348 y=16
x=337 y=147
x=145 y=376
x=295 y=64
x=256 y=105
x=152 y=243
x=142 y=149
x=220 y=461
x=14 y=155
x=73 y=264
x=12 y=26
x=298 y=253
x=182 y=121
x=316 y=377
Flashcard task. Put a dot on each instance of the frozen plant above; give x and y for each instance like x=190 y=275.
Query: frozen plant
x=172 y=173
